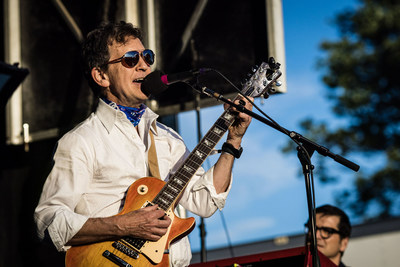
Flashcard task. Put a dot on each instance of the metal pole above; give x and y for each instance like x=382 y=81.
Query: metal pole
x=203 y=254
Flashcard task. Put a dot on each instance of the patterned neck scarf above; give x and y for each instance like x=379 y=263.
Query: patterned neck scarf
x=133 y=114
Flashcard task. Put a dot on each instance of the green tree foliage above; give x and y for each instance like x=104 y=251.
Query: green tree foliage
x=362 y=72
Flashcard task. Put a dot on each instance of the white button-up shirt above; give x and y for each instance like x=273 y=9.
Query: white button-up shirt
x=96 y=162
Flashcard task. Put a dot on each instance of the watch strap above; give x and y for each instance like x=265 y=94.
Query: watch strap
x=229 y=148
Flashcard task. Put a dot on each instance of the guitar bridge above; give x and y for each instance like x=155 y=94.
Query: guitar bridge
x=126 y=250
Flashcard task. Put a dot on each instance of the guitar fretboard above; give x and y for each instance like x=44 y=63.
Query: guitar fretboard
x=178 y=181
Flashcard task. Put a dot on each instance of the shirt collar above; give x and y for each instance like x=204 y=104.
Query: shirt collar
x=108 y=117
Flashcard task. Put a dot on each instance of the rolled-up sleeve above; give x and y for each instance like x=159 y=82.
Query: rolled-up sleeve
x=200 y=196
x=61 y=193
x=207 y=183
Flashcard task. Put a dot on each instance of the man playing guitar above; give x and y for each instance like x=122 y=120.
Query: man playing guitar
x=84 y=207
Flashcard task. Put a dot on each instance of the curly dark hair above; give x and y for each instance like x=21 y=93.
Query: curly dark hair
x=95 y=48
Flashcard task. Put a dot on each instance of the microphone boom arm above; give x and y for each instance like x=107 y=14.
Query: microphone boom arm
x=292 y=134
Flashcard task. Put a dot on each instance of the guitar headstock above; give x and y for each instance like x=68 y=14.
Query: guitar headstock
x=262 y=79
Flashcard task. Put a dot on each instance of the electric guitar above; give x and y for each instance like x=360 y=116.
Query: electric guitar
x=147 y=191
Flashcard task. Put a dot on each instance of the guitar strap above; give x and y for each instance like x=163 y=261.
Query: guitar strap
x=152 y=157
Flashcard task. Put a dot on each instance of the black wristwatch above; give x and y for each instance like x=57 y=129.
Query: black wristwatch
x=229 y=148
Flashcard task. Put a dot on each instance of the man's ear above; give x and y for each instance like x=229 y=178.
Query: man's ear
x=100 y=77
x=343 y=244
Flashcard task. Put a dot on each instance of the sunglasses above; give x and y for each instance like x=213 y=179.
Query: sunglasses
x=326 y=232
x=131 y=58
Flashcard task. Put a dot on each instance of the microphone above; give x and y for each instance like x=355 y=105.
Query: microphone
x=157 y=82
x=152 y=84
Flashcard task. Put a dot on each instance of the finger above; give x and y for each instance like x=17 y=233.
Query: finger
x=151 y=208
x=159 y=214
x=164 y=223
x=155 y=236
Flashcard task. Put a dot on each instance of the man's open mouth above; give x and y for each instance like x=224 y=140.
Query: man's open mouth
x=140 y=80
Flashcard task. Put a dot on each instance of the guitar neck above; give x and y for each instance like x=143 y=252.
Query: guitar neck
x=178 y=181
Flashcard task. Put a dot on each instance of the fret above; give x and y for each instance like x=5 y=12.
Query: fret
x=186 y=174
x=163 y=200
x=198 y=154
x=168 y=195
x=179 y=181
x=172 y=188
x=183 y=175
x=187 y=168
x=175 y=185
x=171 y=195
x=198 y=161
x=214 y=137
x=205 y=149
x=223 y=124
x=192 y=164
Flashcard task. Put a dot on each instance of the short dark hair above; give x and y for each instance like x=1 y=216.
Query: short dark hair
x=344 y=221
x=95 y=47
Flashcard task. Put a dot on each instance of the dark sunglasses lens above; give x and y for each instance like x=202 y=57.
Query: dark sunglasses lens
x=131 y=59
x=148 y=56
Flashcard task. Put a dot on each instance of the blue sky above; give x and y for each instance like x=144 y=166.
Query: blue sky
x=268 y=196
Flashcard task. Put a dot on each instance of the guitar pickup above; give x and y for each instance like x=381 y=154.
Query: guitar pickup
x=114 y=258
x=126 y=250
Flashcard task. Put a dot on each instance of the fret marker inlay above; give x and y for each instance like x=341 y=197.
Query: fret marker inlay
x=208 y=143
x=178 y=181
x=228 y=116
x=199 y=154
x=217 y=130
x=187 y=168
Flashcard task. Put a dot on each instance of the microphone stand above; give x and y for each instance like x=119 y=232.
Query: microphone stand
x=305 y=150
x=203 y=251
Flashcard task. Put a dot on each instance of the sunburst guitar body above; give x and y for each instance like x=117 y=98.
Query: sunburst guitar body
x=129 y=251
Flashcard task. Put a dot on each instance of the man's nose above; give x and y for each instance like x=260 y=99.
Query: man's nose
x=142 y=64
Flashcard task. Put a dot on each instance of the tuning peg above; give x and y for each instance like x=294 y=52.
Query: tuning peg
x=262 y=99
x=265 y=83
x=254 y=69
x=271 y=61
x=273 y=64
x=278 y=83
